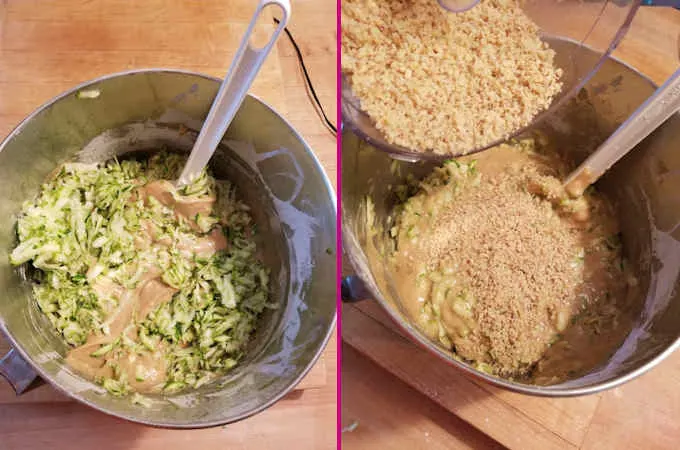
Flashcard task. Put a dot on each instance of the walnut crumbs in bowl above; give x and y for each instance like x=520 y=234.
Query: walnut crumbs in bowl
x=424 y=83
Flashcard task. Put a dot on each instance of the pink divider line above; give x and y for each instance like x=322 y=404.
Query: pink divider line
x=338 y=246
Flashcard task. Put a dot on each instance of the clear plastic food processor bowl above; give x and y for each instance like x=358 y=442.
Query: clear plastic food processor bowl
x=566 y=25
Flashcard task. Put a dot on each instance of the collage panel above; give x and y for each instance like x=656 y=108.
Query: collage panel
x=325 y=224
x=509 y=224
x=169 y=224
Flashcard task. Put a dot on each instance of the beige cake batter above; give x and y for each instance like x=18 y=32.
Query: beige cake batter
x=495 y=262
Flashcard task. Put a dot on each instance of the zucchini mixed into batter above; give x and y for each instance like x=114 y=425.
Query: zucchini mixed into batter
x=495 y=262
x=154 y=288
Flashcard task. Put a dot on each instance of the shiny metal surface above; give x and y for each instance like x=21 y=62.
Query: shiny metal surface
x=456 y=6
x=352 y=289
x=648 y=117
x=644 y=186
x=274 y=171
x=17 y=371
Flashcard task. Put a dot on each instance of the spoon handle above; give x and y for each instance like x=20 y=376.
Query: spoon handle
x=648 y=117
x=457 y=6
x=232 y=92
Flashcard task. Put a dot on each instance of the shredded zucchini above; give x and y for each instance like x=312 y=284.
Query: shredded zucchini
x=84 y=226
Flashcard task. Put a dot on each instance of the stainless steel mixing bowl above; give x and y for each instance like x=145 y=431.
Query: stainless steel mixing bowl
x=274 y=171
x=645 y=187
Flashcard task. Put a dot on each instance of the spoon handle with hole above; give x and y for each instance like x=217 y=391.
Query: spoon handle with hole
x=456 y=6
x=648 y=117
x=232 y=92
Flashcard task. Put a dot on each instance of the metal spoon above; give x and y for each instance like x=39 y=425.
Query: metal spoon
x=647 y=118
x=240 y=76
x=457 y=5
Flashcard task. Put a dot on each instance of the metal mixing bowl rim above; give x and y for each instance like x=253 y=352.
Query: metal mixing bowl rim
x=540 y=391
x=213 y=423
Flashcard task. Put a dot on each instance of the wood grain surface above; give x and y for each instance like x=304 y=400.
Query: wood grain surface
x=48 y=47
x=412 y=387
x=391 y=408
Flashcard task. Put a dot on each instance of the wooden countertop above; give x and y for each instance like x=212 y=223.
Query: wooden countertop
x=48 y=47
x=397 y=396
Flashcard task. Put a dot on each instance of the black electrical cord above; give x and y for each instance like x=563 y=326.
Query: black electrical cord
x=310 y=88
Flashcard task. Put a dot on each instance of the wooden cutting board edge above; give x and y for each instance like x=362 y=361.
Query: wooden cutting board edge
x=369 y=330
